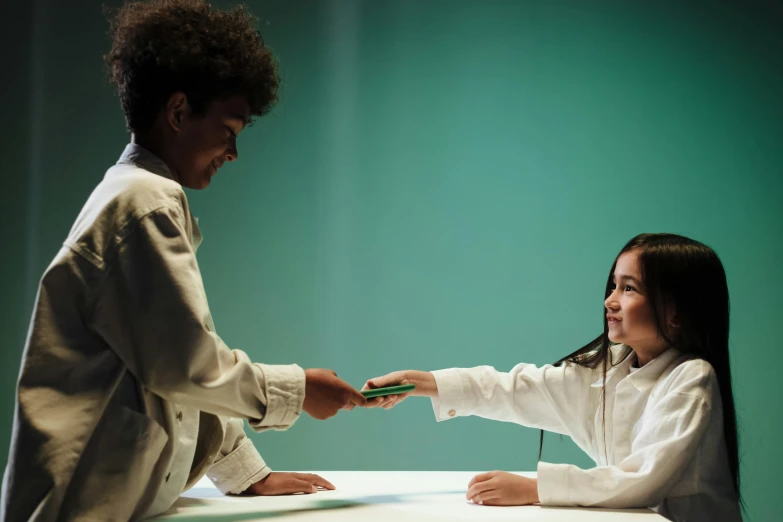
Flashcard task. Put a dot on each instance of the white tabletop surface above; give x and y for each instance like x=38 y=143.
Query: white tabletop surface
x=380 y=496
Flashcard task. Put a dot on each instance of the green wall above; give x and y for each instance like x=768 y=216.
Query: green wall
x=443 y=184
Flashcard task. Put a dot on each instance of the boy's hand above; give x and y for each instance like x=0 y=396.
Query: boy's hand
x=498 y=488
x=326 y=394
x=288 y=484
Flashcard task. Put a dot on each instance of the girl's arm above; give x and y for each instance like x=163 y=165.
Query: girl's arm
x=557 y=399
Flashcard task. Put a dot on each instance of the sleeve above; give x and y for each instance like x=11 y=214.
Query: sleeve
x=557 y=399
x=152 y=311
x=667 y=441
x=238 y=465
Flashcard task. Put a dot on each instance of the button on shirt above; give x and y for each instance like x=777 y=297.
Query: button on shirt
x=664 y=446
x=179 y=470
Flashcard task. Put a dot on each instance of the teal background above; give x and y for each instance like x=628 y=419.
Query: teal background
x=443 y=184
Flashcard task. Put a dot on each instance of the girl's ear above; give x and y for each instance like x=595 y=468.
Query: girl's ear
x=673 y=320
x=672 y=317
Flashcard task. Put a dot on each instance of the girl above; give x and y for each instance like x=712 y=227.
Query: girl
x=649 y=400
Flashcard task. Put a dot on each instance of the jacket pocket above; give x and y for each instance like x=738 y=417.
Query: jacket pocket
x=116 y=467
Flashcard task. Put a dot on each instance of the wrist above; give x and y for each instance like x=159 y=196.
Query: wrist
x=533 y=491
x=425 y=383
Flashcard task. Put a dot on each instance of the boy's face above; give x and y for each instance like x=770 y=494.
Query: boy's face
x=205 y=142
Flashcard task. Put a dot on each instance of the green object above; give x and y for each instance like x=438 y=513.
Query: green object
x=391 y=390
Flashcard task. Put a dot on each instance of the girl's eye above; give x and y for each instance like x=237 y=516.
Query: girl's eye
x=629 y=288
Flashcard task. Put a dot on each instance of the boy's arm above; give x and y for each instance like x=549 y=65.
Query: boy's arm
x=240 y=469
x=238 y=465
x=152 y=311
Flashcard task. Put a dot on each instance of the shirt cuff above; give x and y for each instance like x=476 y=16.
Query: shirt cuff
x=553 y=484
x=285 y=392
x=238 y=470
x=453 y=398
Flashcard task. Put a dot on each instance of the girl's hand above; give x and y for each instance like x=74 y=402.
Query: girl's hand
x=288 y=484
x=424 y=381
x=498 y=488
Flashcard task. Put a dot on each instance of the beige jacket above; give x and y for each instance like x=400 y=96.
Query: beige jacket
x=121 y=344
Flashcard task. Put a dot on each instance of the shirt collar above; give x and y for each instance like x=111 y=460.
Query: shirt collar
x=649 y=374
x=621 y=370
x=646 y=376
x=135 y=154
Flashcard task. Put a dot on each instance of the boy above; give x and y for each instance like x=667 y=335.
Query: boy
x=126 y=395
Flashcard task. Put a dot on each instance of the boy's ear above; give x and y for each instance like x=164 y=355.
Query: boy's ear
x=177 y=109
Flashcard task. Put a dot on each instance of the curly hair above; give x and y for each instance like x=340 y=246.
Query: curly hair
x=164 y=46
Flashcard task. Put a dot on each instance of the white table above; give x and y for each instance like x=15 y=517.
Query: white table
x=380 y=496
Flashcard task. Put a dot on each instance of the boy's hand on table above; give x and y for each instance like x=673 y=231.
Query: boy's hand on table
x=277 y=483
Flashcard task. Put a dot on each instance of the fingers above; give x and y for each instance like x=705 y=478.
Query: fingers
x=391 y=400
x=481 y=477
x=476 y=491
x=377 y=402
x=399 y=398
x=302 y=486
x=487 y=498
x=496 y=501
x=316 y=480
x=374 y=402
x=282 y=484
x=351 y=397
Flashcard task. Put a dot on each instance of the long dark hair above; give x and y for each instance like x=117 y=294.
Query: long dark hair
x=689 y=276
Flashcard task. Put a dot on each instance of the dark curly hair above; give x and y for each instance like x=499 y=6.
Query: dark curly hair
x=163 y=46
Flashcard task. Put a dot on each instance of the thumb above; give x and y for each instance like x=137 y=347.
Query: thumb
x=390 y=379
x=371 y=384
x=356 y=398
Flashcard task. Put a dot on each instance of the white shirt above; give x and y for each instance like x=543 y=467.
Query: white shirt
x=664 y=430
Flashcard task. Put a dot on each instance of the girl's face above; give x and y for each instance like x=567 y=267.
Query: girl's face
x=630 y=318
